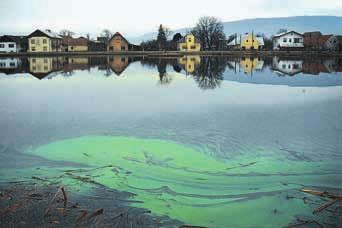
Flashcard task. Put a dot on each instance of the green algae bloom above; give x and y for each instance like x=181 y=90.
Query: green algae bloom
x=189 y=185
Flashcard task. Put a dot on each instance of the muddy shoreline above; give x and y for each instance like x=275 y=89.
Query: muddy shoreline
x=31 y=204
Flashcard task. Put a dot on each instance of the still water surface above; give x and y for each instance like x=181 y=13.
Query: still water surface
x=217 y=142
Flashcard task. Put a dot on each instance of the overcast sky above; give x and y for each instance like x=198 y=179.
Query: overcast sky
x=137 y=17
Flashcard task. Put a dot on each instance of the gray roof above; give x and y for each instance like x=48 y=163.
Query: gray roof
x=52 y=34
x=285 y=33
x=237 y=40
x=183 y=39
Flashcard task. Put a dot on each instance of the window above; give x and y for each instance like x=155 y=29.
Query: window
x=290 y=40
x=33 y=41
x=284 y=66
x=123 y=48
x=44 y=41
x=296 y=40
x=44 y=48
x=123 y=60
x=33 y=60
x=45 y=60
x=2 y=64
x=284 y=40
x=11 y=45
x=34 y=68
x=2 y=45
x=33 y=49
x=189 y=40
x=46 y=68
x=12 y=64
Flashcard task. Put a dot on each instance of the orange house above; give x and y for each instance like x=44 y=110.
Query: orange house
x=117 y=43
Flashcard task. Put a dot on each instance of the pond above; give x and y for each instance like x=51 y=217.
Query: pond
x=206 y=141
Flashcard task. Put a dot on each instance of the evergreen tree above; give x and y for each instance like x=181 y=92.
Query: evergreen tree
x=161 y=38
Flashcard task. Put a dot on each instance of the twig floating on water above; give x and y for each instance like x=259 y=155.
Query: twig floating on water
x=53 y=199
x=324 y=206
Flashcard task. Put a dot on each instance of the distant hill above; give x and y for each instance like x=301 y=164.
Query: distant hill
x=270 y=26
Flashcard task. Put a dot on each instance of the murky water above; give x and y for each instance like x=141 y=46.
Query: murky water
x=217 y=142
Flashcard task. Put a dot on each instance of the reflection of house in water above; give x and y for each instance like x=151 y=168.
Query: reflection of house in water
x=332 y=64
x=287 y=66
x=9 y=63
x=248 y=64
x=41 y=67
x=13 y=65
x=75 y=63
x=317 y=66
x=189 y=63
x=118 y=64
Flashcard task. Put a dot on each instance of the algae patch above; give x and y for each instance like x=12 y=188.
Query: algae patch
x=188 y=185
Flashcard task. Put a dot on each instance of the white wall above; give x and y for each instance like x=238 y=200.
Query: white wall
x=9 y=63
x=5 y=47
x=287 y=66
x=287 y=41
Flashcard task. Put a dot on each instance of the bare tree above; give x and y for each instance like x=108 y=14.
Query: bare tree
x=66 y=32
x=210 y=32
x=107 y=33
x=168 y=32
x=282 y=30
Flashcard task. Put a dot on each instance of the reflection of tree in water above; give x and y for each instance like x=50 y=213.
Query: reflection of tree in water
x=164 y=77
x=108 y=72
x=209 y=74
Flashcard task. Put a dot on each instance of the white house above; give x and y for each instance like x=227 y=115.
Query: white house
x=9 y=63
x=287 y=66
x=288 y=40
x=13 y=43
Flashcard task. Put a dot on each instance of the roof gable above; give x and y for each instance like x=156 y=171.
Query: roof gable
x=237 y=40
x=286 y=33
x=183 y=39
x=46 y=33
x=117 y=34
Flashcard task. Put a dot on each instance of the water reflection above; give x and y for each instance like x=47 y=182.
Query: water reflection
x=288 y=67
x=207 y=72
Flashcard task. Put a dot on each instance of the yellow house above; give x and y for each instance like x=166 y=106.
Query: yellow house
x=44 y=41
x=250 y=63
x=247 y=42
x=189 y=43
x=189 y=63
x=118 y=64
x=118 y=43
